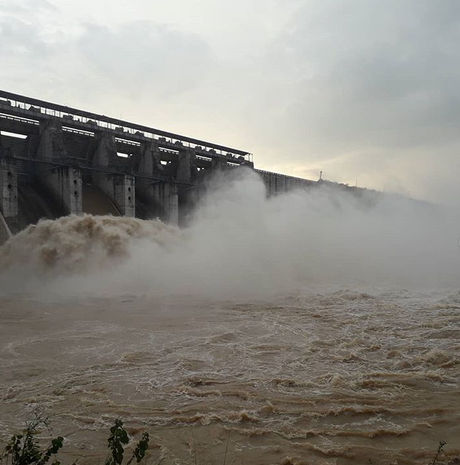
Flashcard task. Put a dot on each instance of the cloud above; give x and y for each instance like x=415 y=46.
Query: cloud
x=91 y=63
x=369 y=85
x=146 y=56
x=380 y=75
x=26 y=7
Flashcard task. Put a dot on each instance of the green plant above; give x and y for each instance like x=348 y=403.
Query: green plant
x=438 y=452
x=24 y=449
x=118 y=439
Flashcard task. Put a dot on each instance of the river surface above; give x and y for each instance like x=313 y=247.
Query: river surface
x=318 y=376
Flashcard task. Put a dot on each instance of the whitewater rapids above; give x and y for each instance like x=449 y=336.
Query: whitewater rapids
x=305 y=329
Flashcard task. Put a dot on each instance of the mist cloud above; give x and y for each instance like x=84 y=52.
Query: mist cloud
x=241 y=245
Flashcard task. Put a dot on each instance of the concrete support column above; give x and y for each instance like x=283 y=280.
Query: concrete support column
x=149 y=159
x=8 y=187
x=106 y=150
x=269 y=181
x=187 y=177
x=162 y=196
x=148 y=165
x=65 y=182
x=186 y=169
x=219 y=163
x=51 y=145
x=119 y=188
x=282 y=185
x=124 y=194
x=166 y=196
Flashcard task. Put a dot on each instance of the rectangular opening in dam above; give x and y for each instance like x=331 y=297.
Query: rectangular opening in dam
x=13 y=134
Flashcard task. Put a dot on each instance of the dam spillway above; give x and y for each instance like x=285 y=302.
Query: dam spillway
x=56 y=160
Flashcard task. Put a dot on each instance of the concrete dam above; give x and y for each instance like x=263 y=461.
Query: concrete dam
x=56 y=161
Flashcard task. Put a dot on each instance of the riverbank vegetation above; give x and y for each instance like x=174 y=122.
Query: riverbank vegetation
x=26 y=448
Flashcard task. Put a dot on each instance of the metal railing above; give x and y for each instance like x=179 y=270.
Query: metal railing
x=35 y=108
x=278 y=175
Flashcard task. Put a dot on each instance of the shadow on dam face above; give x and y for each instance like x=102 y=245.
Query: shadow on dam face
x=146 y=209
x=4 y=234
x=35 y=203
x=95 y=202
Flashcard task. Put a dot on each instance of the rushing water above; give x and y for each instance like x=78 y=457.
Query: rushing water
x=328 y=377
x=306 y=329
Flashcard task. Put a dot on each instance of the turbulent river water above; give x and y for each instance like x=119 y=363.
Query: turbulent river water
x=340 y=376
x=256 y=336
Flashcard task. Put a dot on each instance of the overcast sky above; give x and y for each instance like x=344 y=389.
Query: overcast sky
x=365 y=90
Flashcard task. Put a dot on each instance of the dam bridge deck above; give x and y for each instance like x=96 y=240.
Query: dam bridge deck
x=29 y=111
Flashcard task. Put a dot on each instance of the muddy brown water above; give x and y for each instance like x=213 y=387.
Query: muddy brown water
x=336 y=376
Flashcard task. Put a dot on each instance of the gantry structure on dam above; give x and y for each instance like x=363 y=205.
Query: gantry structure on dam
x=56 y=160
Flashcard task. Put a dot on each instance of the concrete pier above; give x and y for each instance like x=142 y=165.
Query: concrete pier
x=64 y=181
x=276 y=183
x=147 y=167
x=166 y=197
x=120 y=188
x=8 y=187
x=187 y=176
x=149 y=160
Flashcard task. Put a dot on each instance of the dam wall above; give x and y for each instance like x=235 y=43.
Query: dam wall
x=56 y=160
x=8 y=187
x=119 y=187
x=64 y=181
x=81 y=162
x=276 y=183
